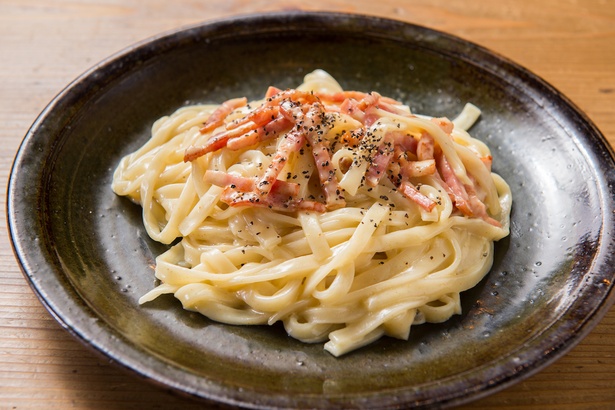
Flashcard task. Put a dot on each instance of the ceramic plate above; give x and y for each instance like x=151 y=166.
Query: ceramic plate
x=88 y=258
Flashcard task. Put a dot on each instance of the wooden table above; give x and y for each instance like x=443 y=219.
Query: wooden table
x=45 y=44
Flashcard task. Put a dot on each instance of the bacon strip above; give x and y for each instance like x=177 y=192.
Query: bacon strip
x=425 y=147
x=351 y=107
x=303 y=97
x=453 y=185
x=415 y=169
x=311 y=124
x=217 y=117
x=355 y=95
x=380 y=163
x=224 y=179
x=410 y=192
x=464 y=196
x=282 y=197
x=261 y=115
x=478 y=207
x=370 y=100
x=236 y=182
x=322 y=157
x=272 y=202
x=292 y=141
x=216 y=142
x=260 y=134
x=404 y=142
x=271 y=91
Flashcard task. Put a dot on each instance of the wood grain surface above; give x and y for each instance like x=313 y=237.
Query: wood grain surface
x=46 y=44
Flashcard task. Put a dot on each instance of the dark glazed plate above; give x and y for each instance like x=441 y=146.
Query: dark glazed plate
x=87 y=256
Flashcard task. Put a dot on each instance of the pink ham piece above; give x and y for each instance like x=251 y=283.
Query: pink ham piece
x=216 y=119
x=410 y=192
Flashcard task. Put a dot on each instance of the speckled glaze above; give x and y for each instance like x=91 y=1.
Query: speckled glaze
x=88 y=258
